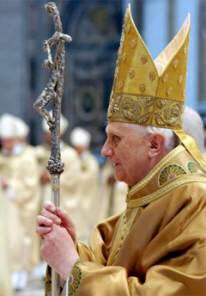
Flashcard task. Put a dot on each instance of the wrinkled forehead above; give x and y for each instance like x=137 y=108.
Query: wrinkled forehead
x=114 y=127
x=124 y=128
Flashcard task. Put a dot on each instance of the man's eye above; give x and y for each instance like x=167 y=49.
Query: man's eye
x=115 y=139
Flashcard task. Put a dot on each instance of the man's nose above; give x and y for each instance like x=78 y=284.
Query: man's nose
x=106 y=150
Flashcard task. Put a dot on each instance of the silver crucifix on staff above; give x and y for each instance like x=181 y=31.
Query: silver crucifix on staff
x=52 y=94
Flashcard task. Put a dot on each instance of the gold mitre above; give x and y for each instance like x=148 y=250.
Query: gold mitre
x=152 y=92
x=147 y=91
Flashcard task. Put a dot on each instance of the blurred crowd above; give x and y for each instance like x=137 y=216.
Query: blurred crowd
x=89 y=193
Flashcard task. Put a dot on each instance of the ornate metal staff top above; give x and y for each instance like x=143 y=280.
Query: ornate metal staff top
x=52 y=94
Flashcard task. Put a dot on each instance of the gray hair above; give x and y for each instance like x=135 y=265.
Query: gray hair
x=192 y=124
x=170 y=141
x=169 y=136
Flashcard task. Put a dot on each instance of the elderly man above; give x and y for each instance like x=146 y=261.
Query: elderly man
x=87 y=195
x=157 y=245
x=5 y=272
x=19 y=184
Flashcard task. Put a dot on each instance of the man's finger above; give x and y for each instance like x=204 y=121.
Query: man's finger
x=67 y=223
x=64 y=218
x=47 y=214
x=43 y=230
x=41 y=220
x=50 y=206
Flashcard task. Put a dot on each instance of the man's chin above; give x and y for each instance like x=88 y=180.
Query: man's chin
x=119 y=177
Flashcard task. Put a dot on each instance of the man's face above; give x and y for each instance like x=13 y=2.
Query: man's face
x=8 y=144
x=127 y=148
x=80 y=149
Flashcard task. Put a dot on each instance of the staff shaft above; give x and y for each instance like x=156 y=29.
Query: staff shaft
x=53 y=93
x=55 y=182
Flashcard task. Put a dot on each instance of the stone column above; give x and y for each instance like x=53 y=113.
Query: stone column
x=13 y=61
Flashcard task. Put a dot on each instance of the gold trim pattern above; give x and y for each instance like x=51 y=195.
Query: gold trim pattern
x=146 y=110
x=75 y=279
x=164 y=190
x=154 y=171
x=192 y=167
x=169 y=173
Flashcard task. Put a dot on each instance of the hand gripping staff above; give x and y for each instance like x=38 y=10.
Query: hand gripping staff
x=52 y=94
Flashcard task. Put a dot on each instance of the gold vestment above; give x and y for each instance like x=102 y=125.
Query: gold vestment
x=5 y=280
x=20 y=171
x=158 y=245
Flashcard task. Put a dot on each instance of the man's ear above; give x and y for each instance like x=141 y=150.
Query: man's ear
x=156 y=145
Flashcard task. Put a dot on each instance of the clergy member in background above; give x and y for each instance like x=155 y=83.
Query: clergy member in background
x=88 y=185
x=19 y=182
x=5 y=272
x=70 y=159
x=193 y=126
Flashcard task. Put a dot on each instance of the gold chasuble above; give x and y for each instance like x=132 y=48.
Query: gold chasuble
x=158 y=245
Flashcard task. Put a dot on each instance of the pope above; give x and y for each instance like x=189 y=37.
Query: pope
x=157 y=246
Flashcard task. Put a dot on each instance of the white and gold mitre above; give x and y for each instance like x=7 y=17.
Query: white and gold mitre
x=152 y=92
x=147 y=91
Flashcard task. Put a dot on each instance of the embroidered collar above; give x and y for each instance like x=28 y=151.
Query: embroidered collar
x=176 y=168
